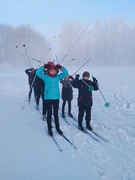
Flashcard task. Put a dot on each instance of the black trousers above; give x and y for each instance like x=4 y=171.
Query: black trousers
x=69 y=106
x=39 y=93
x=30 y=91
x=44 y=107
x=82 y=110
x=52 y=106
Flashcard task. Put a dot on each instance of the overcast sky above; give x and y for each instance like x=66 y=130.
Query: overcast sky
x=47 y=16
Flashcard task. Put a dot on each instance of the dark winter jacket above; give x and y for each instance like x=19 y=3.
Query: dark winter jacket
x=84 y=94
x=39 y=84
x=31 y=76
x=67 y=91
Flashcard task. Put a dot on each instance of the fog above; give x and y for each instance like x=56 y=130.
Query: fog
x=108 y=43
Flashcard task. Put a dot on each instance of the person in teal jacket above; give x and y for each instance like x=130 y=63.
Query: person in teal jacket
x=52 y=92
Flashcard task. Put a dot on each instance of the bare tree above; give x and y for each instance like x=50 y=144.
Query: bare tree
x=110 y=43
x=37 y=45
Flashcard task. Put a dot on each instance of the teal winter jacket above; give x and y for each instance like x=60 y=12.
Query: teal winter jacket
x=51 y=89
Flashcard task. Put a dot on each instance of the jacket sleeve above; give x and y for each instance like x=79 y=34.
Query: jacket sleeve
x=63 y=74
x=95 y=85
x=40 y=72
x=75 y=82
x=61 y=81
x=28 y=71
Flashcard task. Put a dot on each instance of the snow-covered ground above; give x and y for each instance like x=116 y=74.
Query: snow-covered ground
x=28 y=153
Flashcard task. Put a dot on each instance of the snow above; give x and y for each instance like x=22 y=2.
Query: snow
x=27 y=152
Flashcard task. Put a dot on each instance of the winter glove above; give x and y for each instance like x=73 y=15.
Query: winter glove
x=94 y=79
x=77 y=75
x=71 y=77
x=46 y=66
x=58 y=66
x=31 y=69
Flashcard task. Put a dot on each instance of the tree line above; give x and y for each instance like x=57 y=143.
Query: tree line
x=109 y=43
x=16 y=41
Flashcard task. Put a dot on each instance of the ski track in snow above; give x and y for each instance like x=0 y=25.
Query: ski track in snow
x=105 y=160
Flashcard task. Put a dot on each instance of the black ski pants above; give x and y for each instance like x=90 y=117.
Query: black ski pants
x=52 y=106
x=39 y=93
x=69 y=106
x=82 y=110
x=30 y=91
x=44 y=107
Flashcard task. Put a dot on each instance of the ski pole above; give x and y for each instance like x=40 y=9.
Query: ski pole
x=25 y=102
x=75 y=42
x=45 y=55
x=81 y=66
x=91 y=88
x=30 y=57
x=35 y=59
x=27 y=55
x=19 y=52
x=57 y=58
x=29 y=90
x=107 y=104
x=22 y=56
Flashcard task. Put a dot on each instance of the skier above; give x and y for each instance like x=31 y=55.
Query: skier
x=85 y=87
x=67 y=94
x=31 y=80
x=40 y=93
x=51 y=92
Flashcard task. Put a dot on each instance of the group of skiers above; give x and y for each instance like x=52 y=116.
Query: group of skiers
x=45 y=83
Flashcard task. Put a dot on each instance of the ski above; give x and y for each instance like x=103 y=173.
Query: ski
x=72 y=117
x=38 y=111
x=57 y=144
x=69 y=141
x=66 y=120
x=55 y=141
x=99 y=136
x=86 y=132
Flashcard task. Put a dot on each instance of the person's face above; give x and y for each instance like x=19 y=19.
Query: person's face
x=52 y=71
x=85 y=77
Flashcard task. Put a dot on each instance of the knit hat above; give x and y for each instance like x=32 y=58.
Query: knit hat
x=86 y=73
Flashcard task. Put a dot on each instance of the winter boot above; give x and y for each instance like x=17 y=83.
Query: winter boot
x=44 y=117
x=63 y=111
x=63 y=115
x=70 y=114
x=59 y=131
x=37 y=107
x=89 y=127
x=81 y=128
x=50 y=133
